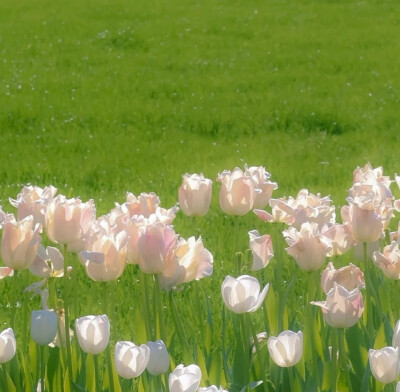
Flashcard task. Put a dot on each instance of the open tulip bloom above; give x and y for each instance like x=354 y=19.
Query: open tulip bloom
x=242 y=294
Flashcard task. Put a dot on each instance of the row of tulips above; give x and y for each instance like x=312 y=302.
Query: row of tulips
x=140 y=232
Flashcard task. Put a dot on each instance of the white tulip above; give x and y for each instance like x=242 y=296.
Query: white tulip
x=131 y=360
x=185 y=379
x=8 y=345
x=159 y=358
x=385 y=364
x=93 y=333
x=286 y=349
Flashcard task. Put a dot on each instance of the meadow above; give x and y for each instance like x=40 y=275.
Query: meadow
x=100 y=98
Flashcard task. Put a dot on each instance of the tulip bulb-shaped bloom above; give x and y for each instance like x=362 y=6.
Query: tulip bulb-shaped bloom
x=385 y=364
x=389 y=260
x=237 y=193
x=93 y=333
x=342 y=308
x=8 y=345
x=261 y=248
x=159 y=358
x=349 y=277
x=212 y=388
x=195 y=195
x=286 y=349
x=185 y=379
x=243 y=295
x=67 y=220
x=307 y=246
x=19 y=243
x=43 y=326
x=131 y=360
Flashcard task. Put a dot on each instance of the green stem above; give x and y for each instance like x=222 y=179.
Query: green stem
x=238 y=263
x=334 y=359
x=176 y=319
x=145 y=307
x=108 y=308
x=66 y=316
x=291 y=381
x=42 y=368
x=97 y=372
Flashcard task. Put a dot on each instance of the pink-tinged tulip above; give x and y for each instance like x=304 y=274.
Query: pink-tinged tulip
x=93 y=333
x=155 y=245
x=49 y=262
x=159 y=358
x=340 y=239
x=19 y=243
x=212 y=388
x=261 y=179
x=68 y=220
x=43 y=326
x=389 y=260
x=385 y=364
x=286 y=349
x=350 y=277
x=242 y=294
x=5 y=272
x=237 y=193
x=396 y=335
x=131 y=360
x=307 y=246
x=33 y=200
x=342 y=308
x=185 y=379
x=261 y=248
x=306 y=207
x=8 y=345
x=104 y=257
x=395 y=235
x=195 y=195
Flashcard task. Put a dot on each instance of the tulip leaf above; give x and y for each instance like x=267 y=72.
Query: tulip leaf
x=272 y=311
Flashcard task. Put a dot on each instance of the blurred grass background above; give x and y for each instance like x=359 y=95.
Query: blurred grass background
x=102 y=97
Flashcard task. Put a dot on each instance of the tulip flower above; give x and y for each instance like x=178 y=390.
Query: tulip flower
x=385 y=364
x=8 y=345
x=349 y=277
x=396 y=335
x=93 y=333
x=261 y=248
x=6 y=271
x=307 y=246
x=49 y=262
x=185 y=379
x=19 y=243
x=131 y=360
x=33 y=200
x=243 y=295
x=389 y=260
x=261 y=179
x=159 y=358
x=212 y=388
x=195 y=194
x=339 y=238
x=237 y=193
x=67 y=220
x=286 y=349
x=342 y=308
x=43 y=326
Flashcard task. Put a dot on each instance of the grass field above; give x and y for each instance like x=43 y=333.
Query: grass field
x=102 y=97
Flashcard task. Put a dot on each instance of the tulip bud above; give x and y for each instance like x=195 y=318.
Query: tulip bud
x=8 y=345
x=385 y=364
x=93 y=333
x=43 y=326
x=185 y=379
x=286 y=349
x=243 y=295
x=195 y=195
x=159 y=358
x=131 y=360
x=261 y=248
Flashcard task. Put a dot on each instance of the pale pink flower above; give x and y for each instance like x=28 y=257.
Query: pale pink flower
x=49 y=262
x=340 y=238
x=261 y=248
x=349 y=277
x=389 y=260
x=266 y=187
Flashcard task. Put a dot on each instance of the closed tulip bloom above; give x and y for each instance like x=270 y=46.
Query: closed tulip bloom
x=385 y=364
x=349 y=277
x=307 y=246
x=237 y=193
x=185 y=379
x=43 y=326
x=159 y=358
x=67 y=220
x=212 y=388
x=389 y=260
x=93 y=333
x=195 y=194
x=342 y=308
x=396 y=335
x=19 y=243
x=286 y=349
x=261 y=248
x=8 y=345
x=131 y=360
x=243 y=295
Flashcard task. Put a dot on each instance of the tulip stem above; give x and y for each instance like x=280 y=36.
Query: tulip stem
x=291 y=381
x=97 y=372
x=109 y=310
x=145 y=307
x=66 y=315
x=334 y=358
x=42 y=367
